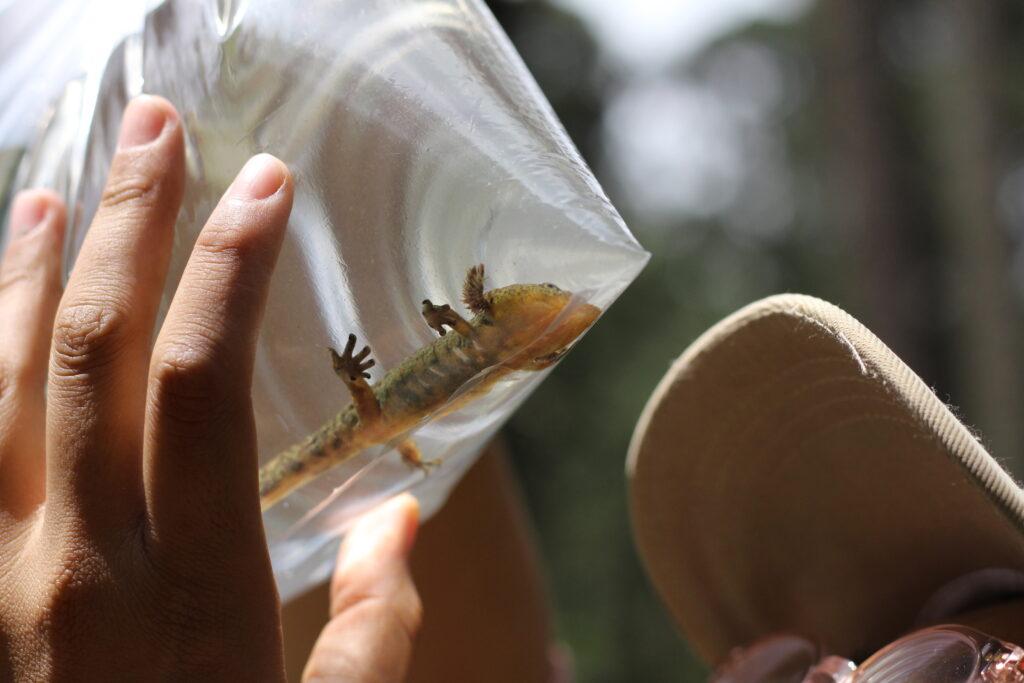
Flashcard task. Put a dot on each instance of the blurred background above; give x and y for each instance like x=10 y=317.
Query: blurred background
x=867 y=152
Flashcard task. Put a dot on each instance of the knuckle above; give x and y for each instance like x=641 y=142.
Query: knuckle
x=193 y=610
x=403 y=606
x=14 y=383
x=86 y=336
x=220 y=275
x=324 y=666
x=400 y=621
x=28 y=268
x=220 y=244
x=189 y=621
x=231 y=240
x=130 y=187
x=410 y=612
x=17 y=274
x=77 y=581
x=191 y=385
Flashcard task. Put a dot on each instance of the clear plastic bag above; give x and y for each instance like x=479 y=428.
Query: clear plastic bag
x=420 y=147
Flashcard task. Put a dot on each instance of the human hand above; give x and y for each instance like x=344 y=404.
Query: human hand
x=131 y=542
x=375 y=608
x=147 y=560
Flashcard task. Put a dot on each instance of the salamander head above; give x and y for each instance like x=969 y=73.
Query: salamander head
x=537 y=323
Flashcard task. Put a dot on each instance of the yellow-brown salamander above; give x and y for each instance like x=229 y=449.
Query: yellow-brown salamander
x=519 y=327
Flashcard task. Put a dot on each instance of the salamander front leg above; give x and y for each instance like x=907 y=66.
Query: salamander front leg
x=352 y=371
x=410 y=453
x=439 y=316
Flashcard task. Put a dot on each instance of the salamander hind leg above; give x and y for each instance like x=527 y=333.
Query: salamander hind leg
x=473 y=290
x=353 y=372
x=410 y=453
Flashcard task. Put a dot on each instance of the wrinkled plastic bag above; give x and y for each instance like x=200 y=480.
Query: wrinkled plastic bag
x=420 y=146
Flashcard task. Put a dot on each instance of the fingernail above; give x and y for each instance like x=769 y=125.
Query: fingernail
x=28 y=212
x=143 y=121
x=261 y=177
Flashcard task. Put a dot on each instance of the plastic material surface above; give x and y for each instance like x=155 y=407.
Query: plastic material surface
x=420 y=146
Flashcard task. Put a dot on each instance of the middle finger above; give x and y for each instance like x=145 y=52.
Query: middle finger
x=104 y=325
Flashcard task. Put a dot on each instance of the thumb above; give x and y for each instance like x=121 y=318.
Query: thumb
x=375 y=609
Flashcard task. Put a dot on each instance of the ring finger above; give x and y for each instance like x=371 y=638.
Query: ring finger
x=30 y=287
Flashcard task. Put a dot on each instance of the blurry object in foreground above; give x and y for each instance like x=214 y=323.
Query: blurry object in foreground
x=940 y=654
x=790 y=473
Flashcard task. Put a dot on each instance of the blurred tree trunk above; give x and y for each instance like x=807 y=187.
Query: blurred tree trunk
x=963 y=131
x=876 y=207
x=919 y=261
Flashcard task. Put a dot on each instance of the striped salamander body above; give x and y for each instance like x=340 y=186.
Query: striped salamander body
x=519 y=327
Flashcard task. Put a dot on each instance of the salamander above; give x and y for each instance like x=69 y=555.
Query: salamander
x=517 y=327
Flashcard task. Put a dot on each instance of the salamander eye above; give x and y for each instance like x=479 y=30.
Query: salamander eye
x=549 y=285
